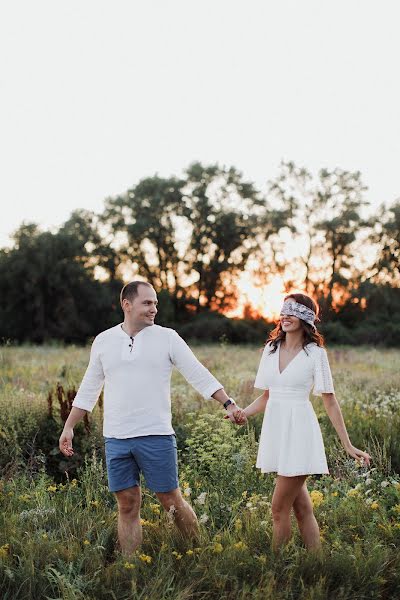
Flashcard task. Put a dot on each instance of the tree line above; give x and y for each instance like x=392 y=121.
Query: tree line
x=191 y=237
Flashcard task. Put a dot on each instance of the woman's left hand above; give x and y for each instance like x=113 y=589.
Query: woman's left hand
x=362 y=457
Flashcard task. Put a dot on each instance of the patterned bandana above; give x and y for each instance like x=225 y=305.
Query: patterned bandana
x=291 y=307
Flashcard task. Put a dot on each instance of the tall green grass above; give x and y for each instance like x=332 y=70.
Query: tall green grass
x=58 y=532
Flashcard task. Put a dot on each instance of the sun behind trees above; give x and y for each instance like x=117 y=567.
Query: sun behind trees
x=192 y=237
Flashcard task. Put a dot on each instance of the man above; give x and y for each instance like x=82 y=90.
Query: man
x=133 y=361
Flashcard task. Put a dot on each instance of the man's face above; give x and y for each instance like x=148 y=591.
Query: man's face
x=143 y=309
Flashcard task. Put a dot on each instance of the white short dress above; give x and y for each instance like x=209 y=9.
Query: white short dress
x=291 y=441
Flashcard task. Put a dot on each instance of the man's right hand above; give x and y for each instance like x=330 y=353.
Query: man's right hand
x=65 y=442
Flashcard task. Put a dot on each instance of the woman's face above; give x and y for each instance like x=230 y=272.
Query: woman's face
x=290 y=323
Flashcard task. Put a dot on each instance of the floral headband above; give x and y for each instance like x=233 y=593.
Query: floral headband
x=291 y=307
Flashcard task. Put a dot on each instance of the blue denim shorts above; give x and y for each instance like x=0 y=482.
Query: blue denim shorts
x=153 y=455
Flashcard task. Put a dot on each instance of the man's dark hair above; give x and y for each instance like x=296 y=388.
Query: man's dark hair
x=130 y=290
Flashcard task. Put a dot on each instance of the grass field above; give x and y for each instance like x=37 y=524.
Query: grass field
x=58 y=533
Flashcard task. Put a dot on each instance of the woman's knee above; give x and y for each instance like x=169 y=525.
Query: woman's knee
x=302 y=508
x=279 y=511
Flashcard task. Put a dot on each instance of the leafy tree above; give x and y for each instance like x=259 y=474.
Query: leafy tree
x=226 y=216
x=386 y=235
x=147 y=219
x=48 y=290
x=324 y=216
x=190 y=236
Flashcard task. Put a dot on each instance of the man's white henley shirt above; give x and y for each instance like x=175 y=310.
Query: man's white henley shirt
x=137 y=378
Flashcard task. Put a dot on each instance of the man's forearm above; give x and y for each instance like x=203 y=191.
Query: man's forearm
x=75 y=415
x=220 y=396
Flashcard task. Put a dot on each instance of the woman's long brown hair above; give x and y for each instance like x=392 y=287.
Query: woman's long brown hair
x=310 y=335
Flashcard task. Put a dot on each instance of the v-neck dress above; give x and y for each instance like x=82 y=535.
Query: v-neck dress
x=291 y=441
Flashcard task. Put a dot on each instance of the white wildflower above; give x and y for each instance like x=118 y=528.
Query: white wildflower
x=384 y=484
x=203 y=519
x=187 y=491
x=201 y=498
x=171 y=513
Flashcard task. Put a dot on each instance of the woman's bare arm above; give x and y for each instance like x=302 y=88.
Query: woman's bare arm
x=336 y=418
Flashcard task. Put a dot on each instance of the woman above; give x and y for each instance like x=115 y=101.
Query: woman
x=294 y=360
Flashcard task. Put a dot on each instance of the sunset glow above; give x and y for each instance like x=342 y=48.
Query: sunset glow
x=266 y=300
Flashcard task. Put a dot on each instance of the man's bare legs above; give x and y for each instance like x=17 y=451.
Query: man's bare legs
x=306 y=520
x=129 y=527
x=184 y=515
x=285 y=493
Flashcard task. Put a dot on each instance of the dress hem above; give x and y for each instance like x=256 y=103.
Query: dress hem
x=294 y=474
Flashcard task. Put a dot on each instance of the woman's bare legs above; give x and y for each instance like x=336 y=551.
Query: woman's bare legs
x=306 y=520
x=285 y=493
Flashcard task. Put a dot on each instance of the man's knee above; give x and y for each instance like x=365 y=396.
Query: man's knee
x=171 y=499
x=129 y=501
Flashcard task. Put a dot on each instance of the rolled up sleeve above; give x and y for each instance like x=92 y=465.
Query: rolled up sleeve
x=191 y=368
x=92 y=382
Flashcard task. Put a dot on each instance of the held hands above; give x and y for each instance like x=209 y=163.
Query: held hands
x=236 y=415
x=65 y=442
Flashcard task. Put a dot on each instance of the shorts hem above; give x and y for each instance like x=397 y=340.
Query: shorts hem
x=162 y=488
x=118 y=488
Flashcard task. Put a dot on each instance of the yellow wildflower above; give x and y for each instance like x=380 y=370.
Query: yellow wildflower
x=217 y=548
x=86 y=542
x=74 y=483
x=4 y=550
x=177 y=555
x=262 y=558
x=189 y=552
x=240 y=546
x=317 y=498
x=353 y=493
x=129 y=565
x=155 y=508
x=145 y=558
x=52 y=488
x=238 y=525
x=24 y=497
x=244 y=494
x=45 y=536
x=374 y=505
x=147 y=523
x=335 y=493
x=94 y=503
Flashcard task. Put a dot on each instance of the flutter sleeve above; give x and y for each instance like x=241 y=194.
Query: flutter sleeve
x=323 y=382
x=263 y=373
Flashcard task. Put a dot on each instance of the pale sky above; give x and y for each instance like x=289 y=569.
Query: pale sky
x=96 y=95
